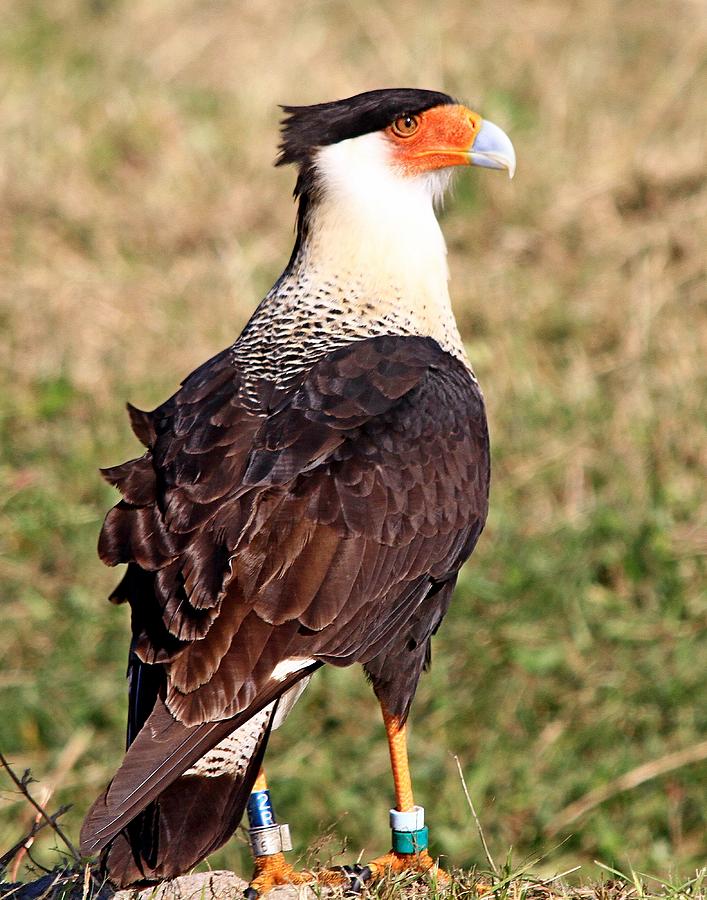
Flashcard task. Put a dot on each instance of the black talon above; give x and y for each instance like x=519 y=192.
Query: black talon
x=358 y=876
x=250 y=894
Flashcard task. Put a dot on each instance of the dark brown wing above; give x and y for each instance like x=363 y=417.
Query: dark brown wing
x=327 y=523
x=367 y=485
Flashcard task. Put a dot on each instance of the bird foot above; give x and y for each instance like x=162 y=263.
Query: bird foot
x=274 y=870
x=396 y=863
x=271 y=871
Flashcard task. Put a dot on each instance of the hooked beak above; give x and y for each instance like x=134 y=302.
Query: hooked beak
x=492 y=149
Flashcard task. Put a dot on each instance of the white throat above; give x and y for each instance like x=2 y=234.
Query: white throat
x=375 y=223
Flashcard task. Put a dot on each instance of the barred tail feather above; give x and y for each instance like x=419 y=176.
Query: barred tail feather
x=196 y=814
x=181 y=791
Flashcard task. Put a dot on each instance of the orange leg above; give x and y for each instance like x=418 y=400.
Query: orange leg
x=261 y=783
x=272 y=869
x=404 y=802
x=398 y=747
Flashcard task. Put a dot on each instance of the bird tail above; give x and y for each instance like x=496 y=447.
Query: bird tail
x=195 y=814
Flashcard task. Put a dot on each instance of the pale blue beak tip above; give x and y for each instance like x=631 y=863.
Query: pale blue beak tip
x=493 y=149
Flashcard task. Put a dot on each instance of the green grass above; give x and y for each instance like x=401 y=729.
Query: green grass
x=507 y=882
x=140 y=222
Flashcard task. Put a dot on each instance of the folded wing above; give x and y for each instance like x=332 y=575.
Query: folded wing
x=269 y=530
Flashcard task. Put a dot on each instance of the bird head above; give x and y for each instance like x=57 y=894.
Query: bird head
x=370 y=170
x=414 y=135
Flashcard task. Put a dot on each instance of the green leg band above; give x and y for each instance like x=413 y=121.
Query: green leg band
x=410 y=841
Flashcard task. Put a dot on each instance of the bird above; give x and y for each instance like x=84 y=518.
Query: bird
x=307 y=497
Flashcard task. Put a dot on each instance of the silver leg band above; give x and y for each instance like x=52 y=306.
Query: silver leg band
x=270 y=840
x=412 y=820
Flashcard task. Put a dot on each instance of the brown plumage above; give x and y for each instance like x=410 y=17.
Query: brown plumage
x=307 y=497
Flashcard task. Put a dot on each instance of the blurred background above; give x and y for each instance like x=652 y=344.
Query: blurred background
x=141 y=221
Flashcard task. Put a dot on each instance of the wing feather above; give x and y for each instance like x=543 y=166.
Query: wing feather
x=307 y=523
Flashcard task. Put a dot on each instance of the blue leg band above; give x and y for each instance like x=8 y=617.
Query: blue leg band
x=410 y=841
x=266 y=836
x=260 y=811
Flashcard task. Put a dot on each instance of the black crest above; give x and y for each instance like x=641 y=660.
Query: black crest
x=305 y=128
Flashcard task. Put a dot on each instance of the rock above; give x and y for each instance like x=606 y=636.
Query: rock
x=198 y=886
x=210 y=886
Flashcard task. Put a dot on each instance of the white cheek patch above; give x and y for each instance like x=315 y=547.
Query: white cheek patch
x=359 y=168
x=362 y=172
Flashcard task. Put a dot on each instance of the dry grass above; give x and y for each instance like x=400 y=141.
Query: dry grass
x=140 y=222
x=75 y=884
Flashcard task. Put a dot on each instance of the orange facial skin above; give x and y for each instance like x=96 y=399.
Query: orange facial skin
x=443 y=137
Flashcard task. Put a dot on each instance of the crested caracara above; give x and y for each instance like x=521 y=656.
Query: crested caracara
x=307 y=497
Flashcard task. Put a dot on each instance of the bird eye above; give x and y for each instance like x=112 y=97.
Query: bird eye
x=406 y=126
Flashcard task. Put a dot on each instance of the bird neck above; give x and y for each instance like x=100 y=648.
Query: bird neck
x=360 y=269
x=382 y=235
